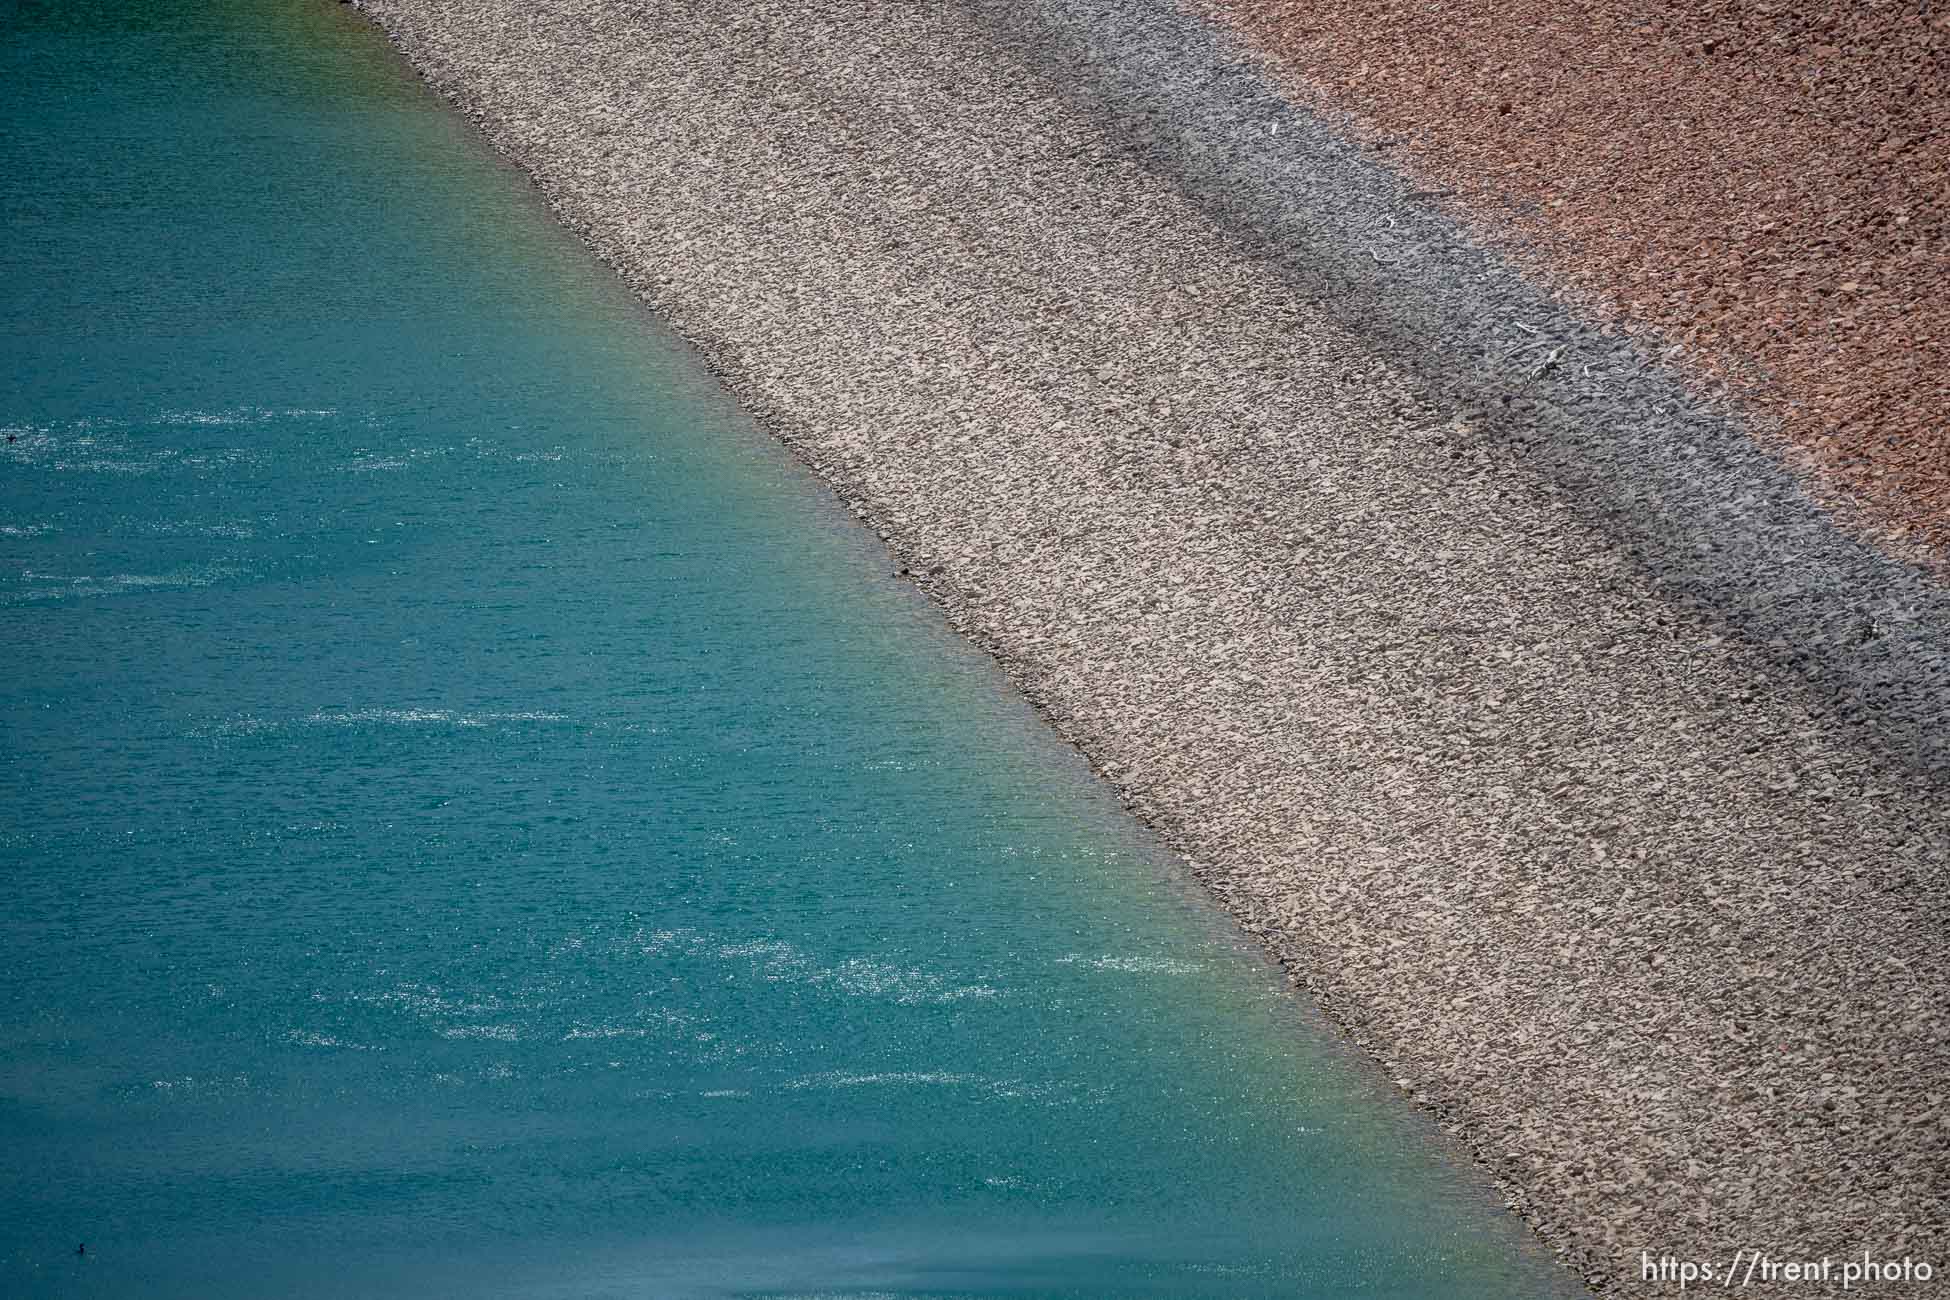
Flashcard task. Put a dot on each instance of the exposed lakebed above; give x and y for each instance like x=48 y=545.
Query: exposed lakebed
x=481 y=819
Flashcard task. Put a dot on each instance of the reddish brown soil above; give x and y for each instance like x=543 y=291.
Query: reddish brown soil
x=1768 y=183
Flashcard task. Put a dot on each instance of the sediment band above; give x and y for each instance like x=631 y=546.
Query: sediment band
x=1540 y=724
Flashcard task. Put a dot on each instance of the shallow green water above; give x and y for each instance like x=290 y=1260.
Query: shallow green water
x=479 y=820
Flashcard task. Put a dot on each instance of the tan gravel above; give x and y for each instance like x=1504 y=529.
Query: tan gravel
x=1765 y=184
x=1585 y=775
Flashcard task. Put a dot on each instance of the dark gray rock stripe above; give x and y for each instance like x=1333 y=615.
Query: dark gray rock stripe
x=1709 y=515
x=1587 y=876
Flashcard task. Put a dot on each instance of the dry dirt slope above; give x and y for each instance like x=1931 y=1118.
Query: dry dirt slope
x=1594 y=783
x=1765 y=183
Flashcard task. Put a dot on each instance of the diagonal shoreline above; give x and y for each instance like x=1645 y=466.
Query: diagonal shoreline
x=1575 y=762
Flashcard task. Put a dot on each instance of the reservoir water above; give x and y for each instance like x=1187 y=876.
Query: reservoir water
x=478 y=819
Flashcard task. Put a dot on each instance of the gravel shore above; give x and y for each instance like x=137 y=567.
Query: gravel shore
x=1543 y=727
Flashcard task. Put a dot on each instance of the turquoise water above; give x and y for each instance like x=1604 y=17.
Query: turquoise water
x=479 y=820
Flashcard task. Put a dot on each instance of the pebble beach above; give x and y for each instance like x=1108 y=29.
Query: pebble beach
x=1500 y=676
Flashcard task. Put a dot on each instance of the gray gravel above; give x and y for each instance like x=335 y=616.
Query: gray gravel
x=1545 y=731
